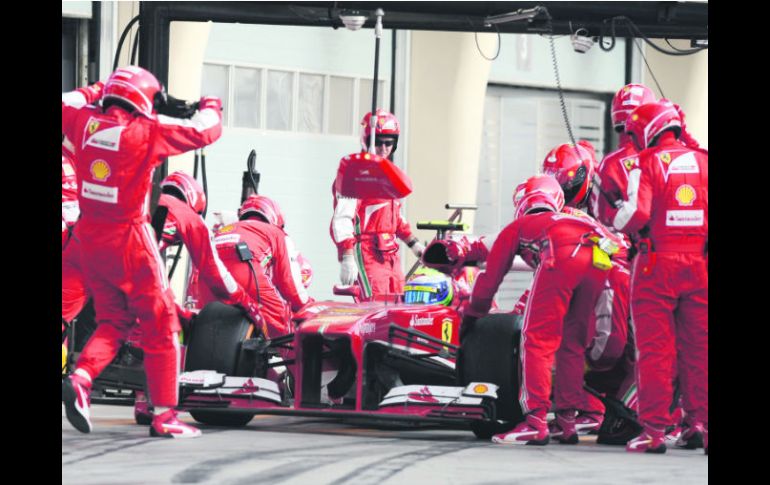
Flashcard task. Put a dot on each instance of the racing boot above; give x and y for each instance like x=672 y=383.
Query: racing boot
x=562 y=429
x=650 y=441
x=588 y=422
x=76 y=396
x=166 y=425
x=142 y=409
x=533 y=431
x=691 y=437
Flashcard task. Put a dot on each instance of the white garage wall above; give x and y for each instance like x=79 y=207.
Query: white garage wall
x=297 y=168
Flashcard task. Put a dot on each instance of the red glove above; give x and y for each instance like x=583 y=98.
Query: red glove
x=93 y=92
x=210 y=102
x=185 y=317
x=521 y=305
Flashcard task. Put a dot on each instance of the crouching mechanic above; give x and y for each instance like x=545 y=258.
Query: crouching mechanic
x=667 y=207
x=278 y=277
x=118 y=145
x=365 y=230
x=570 y=275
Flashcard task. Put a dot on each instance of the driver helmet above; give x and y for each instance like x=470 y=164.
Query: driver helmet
x=428 y=286
x=387 y=127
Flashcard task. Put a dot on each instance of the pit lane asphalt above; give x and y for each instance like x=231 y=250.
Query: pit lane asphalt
x=292 y=450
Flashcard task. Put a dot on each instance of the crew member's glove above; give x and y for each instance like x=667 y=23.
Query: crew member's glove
x=348 y=269
x=94 y=91
x=209 y=102
x=165 y=104
x=453 y=250
x=416 y=246
x=417 y=249
x=467 y=324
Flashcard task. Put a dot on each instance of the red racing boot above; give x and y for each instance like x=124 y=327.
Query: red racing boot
x=533 y=431
x=588 y=422
x=562 y=429
x=142 y=409
x=650 y=441
x=166 y=425
x=691 y=437
x=76 y=396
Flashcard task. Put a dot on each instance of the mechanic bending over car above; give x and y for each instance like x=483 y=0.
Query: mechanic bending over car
x=571 y=274
x=117 y=147
x=573 y=166
x=274 y=263
x=666 y=209
x=365 y=230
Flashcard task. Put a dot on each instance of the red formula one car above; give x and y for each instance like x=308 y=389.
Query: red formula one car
x=380 y=360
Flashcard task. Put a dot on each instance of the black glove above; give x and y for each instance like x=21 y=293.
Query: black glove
x=165 y=104
x=467 y=324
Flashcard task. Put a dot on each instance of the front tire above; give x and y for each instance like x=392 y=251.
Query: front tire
x=490 y=353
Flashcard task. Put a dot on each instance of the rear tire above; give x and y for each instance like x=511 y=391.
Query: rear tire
x=490 y=353
x=215 y=344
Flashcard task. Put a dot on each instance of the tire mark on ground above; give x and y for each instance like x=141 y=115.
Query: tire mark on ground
x=203 y=471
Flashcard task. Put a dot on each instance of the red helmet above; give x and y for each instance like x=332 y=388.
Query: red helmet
x=539 y=192
x=387 y=125
x=262 y=207
x=629 y=97
x=186 y=185
x=133 y=85
x=573 y=166
x=647 y=122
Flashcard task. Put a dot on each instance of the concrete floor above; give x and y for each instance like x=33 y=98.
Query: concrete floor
x=289 y=450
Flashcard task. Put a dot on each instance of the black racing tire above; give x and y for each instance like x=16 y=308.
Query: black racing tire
x=215 y=339
x=484 y=430
x=215 y=343
x=489 y=352
x=222 y=418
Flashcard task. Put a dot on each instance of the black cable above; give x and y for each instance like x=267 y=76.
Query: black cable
x=122 y=39
x=205 y=183
x=256 y=282
x=135 y=49
x=176 y=260
x=660 y=89
x=558 y=85
x=638 y=33
x=499 y=42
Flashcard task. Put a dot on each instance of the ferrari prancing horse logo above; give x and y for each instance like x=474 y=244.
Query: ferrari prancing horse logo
x=446 y=330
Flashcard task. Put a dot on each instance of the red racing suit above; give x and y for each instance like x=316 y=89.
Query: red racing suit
x=667 y=200
x=278 y=280
x=116 y=153
x=565 y=286
x=186 y=226
x=369 y=227
x=73 y=291
x=611 y=181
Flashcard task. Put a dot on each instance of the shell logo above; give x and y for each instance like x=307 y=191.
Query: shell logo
x=93 y=125
x=634 y=117
x=685 y=195
x=480 y=388
x=626 y=89
x=571 y=173
x=227 y=228
x=100 y=170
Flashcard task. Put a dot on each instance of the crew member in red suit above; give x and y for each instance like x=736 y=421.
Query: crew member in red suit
x=667 y=208
x=117 y=146
x=279 y=290
x=564 y=249
x=602 y=335
x=365 y=230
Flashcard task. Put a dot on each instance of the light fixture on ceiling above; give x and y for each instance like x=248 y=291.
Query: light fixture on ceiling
x=520 y=14
x=353 y=19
